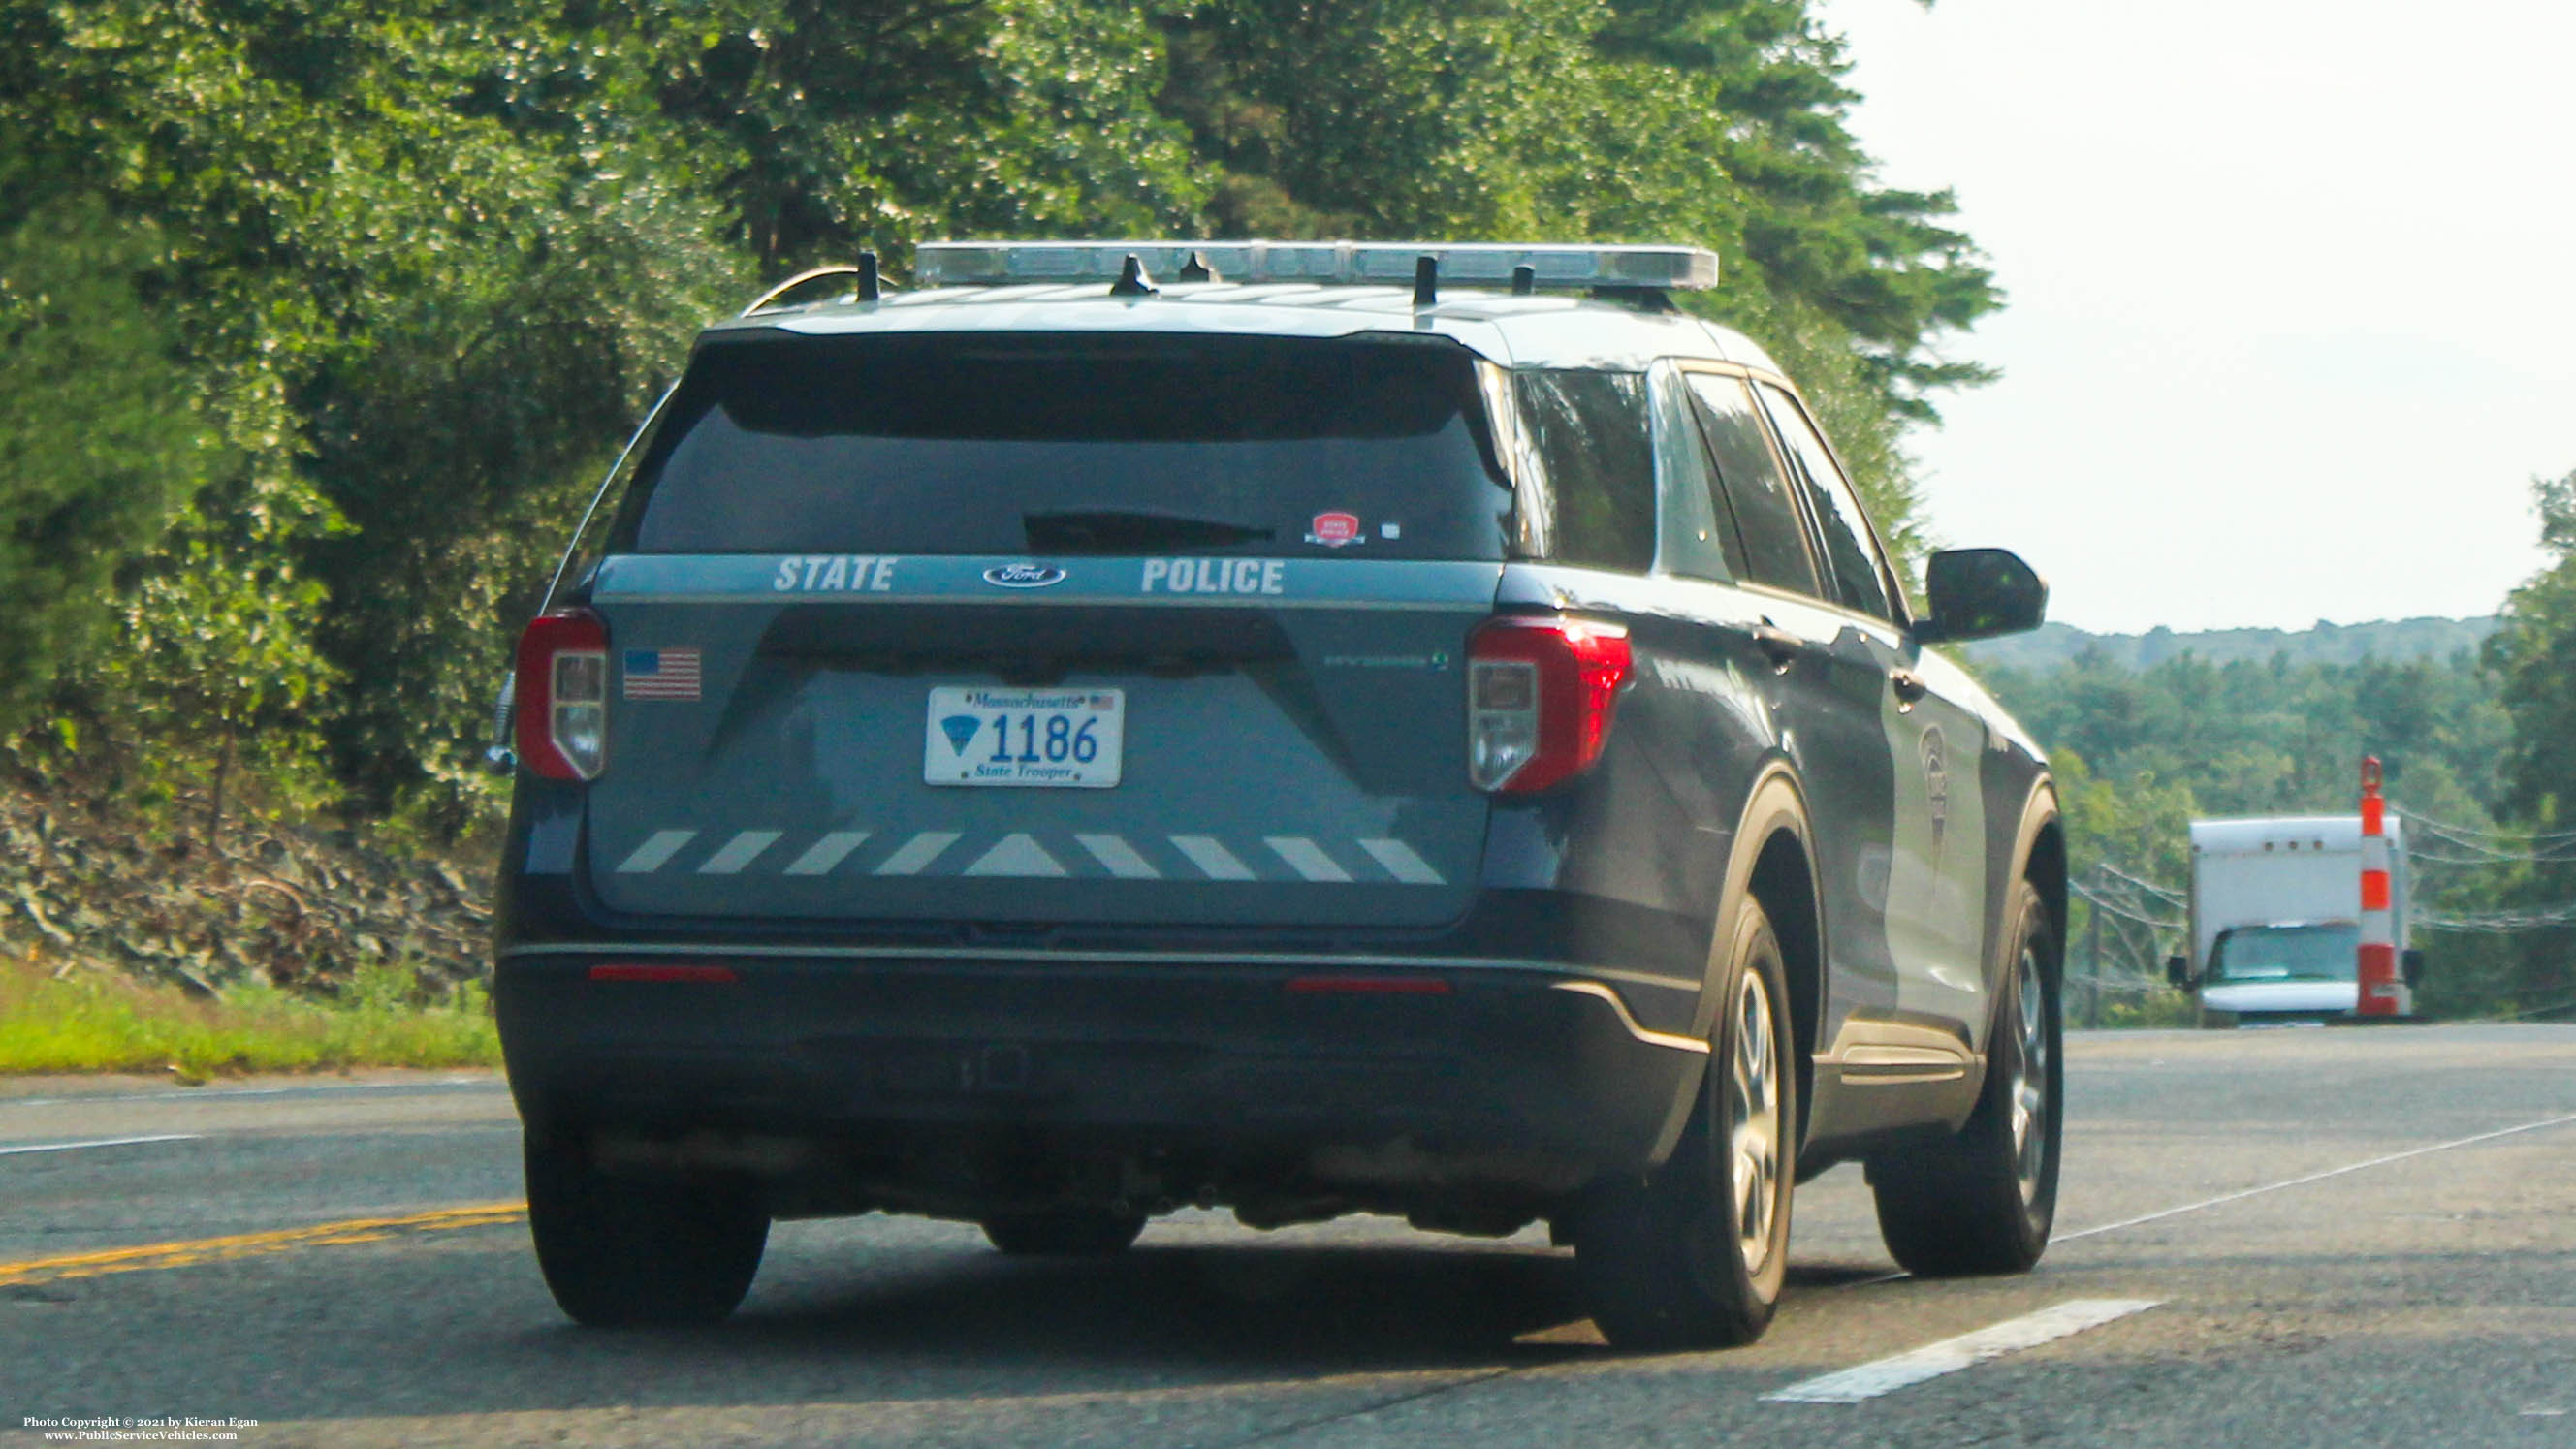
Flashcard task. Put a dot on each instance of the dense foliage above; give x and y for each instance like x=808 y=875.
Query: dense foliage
x=317 y=320
x=2534 y=655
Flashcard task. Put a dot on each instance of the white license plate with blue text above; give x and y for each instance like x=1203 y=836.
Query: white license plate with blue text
x=1067 y=738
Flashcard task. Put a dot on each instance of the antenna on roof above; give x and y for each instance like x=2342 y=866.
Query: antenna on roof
x=870 y=289
x=1196 y=269
x=776 y=296
x=1132 y=281
x=1426 y=281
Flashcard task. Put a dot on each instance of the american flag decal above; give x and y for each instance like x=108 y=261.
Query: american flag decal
x=661 y=673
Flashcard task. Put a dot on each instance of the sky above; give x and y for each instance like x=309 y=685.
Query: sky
x=2291 y=318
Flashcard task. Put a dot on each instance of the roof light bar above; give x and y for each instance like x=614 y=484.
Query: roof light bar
x=1393 y=264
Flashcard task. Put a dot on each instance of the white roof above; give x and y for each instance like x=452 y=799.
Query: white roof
x=2283 y=833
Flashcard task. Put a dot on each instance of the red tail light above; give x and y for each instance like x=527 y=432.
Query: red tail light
x=1540 y=694
x=562 y=695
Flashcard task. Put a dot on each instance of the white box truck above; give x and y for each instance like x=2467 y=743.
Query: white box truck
x=2275 y=916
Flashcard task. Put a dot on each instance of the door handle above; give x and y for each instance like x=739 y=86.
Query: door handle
x=1909 y=686
x=1779 y=644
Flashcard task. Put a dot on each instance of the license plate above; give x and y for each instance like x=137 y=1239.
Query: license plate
x=1061 y=738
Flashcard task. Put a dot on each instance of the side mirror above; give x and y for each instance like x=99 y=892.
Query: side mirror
x=2413 y=964
x=2178 y=971
x=1978 y=593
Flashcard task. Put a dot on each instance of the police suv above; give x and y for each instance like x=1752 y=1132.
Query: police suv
x=1309 y=728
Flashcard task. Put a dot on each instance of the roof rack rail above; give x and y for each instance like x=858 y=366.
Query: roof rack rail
x=1572 y=267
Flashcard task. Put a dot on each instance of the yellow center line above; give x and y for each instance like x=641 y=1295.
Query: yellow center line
x=245 y=1245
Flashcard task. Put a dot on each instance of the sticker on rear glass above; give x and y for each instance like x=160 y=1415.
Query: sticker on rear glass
x=661 y=673
x=1335 y=530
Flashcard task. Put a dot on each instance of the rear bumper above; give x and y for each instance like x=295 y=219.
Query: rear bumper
x=1237 y=1058
x=2282 y=998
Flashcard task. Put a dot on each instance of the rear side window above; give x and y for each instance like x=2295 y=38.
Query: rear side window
x=1692 y=545
x=1859 y=578
x=1066 y=444
x=1587 y=434
x=1766 y=542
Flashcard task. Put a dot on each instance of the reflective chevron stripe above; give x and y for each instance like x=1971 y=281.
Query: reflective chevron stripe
x=740 y=851
x=655 y=852
x=1119 y=857
x=1210 y=855
x=918 y=852
x=1025 y=855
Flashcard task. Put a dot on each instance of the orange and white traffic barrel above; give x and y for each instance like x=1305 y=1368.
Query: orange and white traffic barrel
x=2383 y=987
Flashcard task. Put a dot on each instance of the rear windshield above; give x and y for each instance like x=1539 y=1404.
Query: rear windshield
x=1073 y=444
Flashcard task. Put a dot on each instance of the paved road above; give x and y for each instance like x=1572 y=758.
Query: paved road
x=2390 y=1259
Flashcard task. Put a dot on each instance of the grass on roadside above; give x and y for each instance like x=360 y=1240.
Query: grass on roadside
x=88 y=1021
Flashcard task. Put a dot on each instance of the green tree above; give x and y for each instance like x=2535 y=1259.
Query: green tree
x=101 y=437
x=2534 y=652
x=425 y=264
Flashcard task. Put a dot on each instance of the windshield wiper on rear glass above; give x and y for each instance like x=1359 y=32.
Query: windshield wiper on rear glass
x=1118 y=530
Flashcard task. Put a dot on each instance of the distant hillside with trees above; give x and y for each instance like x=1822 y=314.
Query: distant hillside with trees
x=2393 y=640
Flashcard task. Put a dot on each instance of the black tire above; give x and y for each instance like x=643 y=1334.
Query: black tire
x=1982 y=1200
x=1692 y=1254
x=634 y=1252
x=1064 y=1232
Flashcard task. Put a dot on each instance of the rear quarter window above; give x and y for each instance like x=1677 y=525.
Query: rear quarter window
x=1587 y=435
x=975 y=443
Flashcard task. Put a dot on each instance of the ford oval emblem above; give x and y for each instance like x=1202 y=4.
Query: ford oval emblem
x=1024 y=575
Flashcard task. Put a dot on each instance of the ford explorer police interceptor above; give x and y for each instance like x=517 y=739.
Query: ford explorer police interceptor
x=1413 y=729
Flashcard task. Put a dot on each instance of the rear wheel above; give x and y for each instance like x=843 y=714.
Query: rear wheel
x=1692 y=1254
x=640 y=1251
x=1064 y=1231
x=1983 y=1200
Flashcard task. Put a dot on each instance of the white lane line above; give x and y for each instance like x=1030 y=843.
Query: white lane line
x=1931 y=1361
x=1306 y=858
x=917 y=852
x=831 y=850
x=742 y=850
x=656 y=851
x=1401 y=862
x=2242 y=1194
x=100 y=1142
x=1210 y=855
x=202 y=1094
x=1019 y=856
x=1120 y=858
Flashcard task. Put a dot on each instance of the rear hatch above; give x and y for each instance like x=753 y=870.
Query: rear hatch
x=1149 y=629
